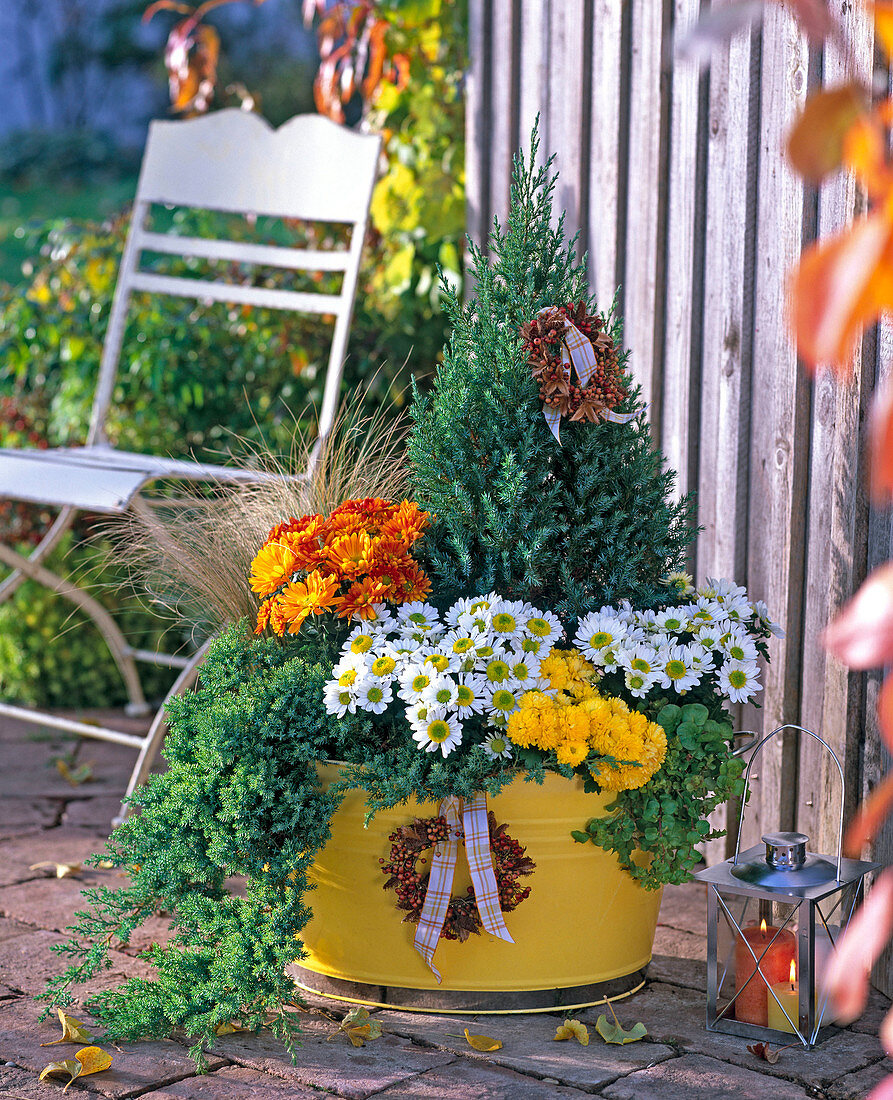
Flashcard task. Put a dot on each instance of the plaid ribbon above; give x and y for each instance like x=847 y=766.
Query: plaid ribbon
x=443 y=865
x=578 y=353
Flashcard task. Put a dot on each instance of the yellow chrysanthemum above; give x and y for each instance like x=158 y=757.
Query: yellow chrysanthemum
x=572 y=752
x=273 y=565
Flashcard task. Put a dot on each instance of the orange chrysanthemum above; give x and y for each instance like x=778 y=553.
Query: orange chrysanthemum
x=263 y=616
x=406 y=524
x=416 y=584
x=311 y=597
x=351 y=554
x=346 y=523
x=273 y=565
x=360 y=599
x=305 y=544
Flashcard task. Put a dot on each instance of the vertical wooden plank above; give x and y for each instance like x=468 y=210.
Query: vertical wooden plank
x=645 y=194
x=477 y=113
x=780 y=402
x=732 y=158
x=503 y=116
x=678 y=400
x=567 y=93
x=533 y=81
x=832 y=696
x=604 y=162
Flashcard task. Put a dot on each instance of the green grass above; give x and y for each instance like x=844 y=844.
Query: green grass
x=24 y=207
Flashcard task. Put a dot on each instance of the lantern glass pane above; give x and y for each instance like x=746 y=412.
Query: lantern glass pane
x=756 y=947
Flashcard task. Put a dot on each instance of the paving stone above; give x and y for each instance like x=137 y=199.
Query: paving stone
x=685 y=908
x=10 y=928
x=136 y=1067
x=856 y=1086
x=694 y=1077
x=27 y=964
x=153 y=930
x=869 y=1023
x=679 y=944
x=528 y=1046
x=57 y=845
x=691 y=973
x=475 y=1081
x=675 y=1015
x=26 y=815
x=232 y=1083
x=94 y=813
x=336 y=1066
x=19 y=1084
x=51 y=903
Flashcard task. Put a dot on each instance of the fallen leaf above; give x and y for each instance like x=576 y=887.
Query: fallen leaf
x=63 y=870
x=73 y=1031
x=229 y=1028
x=76 y=777
x=573 y=1029
x=764 y=1051
x=614 y=1033
x=86 y=1061
x=482 y=1042
x=359 y=1027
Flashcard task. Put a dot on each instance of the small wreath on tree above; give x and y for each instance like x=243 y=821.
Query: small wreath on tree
x=543 y=337
x=409 y=842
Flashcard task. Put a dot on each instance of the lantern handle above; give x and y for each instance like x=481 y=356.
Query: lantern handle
x=756 y=749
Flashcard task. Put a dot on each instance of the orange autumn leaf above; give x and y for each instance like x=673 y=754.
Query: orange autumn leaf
x=869 y=817
x=842 y=284
x=847 y=978
x=885 y=712
x=864 y=151
x=482 y=1042
x=816 y=142
x=572 y=1029
x=862 y=634
x=883 y=25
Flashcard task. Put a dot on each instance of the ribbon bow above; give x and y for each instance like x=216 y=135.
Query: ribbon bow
x=578 y=353
x=443 y=865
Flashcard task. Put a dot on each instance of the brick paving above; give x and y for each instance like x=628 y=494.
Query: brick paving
x=419 y=1057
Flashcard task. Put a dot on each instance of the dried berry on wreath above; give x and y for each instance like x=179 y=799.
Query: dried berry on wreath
x=408 y=870
x=561 y=390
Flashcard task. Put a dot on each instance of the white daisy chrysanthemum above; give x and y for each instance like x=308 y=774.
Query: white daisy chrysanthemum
x=476 y=623
x=351 y=668
x=721 y=589
x=675 y=668
x=444 y=733
x=459 y=643
x=441 y=692
x=451 y=617
x=418 y=616
x=705 y=610
x=680 y=583
x=384 y=619
x=543 y=626
x=672 y=620
x=413 y=681
x=442 y=662
x=739 y=680
x=419 y=713
x=761 y=613
x=361 y=639
x=503 y=702
x=738 y=646
x=625 y=613
x=469 y=696
x=498 y=747
x=639 y=683
x=339 y=700
x=497 y=670
x=645 y=620
x=525 y=667
x=374 y=696
x=598 y=636
x=404 y=648
x=701 y=657
x=710 y=635
x=640 y=658
x=383 y=666
x=507 y=621
x=537 y=647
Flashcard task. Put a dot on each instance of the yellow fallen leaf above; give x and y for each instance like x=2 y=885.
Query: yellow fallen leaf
x=73 y=1031
x=228 y=1028
x=482 y=1042
x=615 y=1033
x=76 y=776
x=86 y=1061
x=573 y=1029
x=63 y=870
x=70 y=1068
x=359 y=1027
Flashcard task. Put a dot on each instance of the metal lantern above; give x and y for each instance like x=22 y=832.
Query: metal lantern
x=774 y=915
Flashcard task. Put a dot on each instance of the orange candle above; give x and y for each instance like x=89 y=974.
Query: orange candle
x=751 y=1004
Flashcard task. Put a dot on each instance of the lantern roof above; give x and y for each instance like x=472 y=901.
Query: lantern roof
x=814 y=880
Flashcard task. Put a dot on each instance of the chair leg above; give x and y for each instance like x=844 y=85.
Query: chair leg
x=60 y=525
x=111 y=633
x=155 y=737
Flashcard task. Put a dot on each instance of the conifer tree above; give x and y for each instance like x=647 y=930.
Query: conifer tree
x=572 y=525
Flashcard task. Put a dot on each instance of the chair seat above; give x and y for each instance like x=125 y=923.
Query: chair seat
x=100 y=478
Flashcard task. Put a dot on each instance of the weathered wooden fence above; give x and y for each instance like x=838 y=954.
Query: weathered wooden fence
x=678 y=185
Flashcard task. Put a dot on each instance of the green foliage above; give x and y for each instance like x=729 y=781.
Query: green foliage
x=240 y=798
x=569 y=526
x=667 y=817
x=51 y=655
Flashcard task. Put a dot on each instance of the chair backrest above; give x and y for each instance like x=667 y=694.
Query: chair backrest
x=232 y=161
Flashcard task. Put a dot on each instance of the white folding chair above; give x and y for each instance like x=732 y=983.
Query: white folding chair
x=230 y=162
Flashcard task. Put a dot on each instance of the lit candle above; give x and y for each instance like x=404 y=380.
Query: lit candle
x=753 y=987
x=788 y=993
